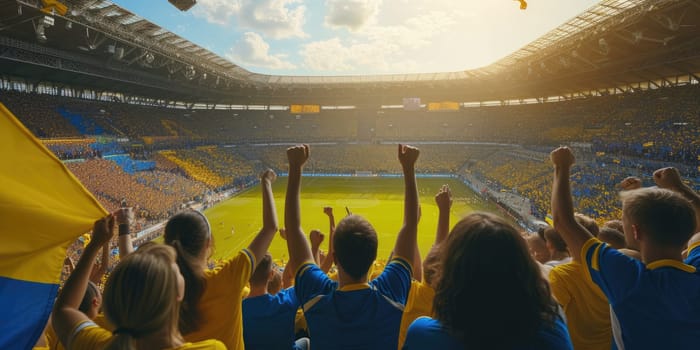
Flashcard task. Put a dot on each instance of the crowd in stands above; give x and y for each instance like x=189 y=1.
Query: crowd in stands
x=107 y=180
x=574 y=285
x=217 y=167
x=38 y=113
x=659 y=124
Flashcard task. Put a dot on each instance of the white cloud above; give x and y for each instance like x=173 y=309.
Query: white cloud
x=377 y=49
x=353 y=14
x=277 y=19
x=252 y=50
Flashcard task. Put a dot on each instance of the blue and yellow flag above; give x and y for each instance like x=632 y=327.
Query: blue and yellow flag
x=43 y=208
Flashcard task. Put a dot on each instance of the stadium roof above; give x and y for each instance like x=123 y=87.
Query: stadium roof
x=612 y=44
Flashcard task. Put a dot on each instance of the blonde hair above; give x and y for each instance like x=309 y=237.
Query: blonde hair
x=140 y=296
x=667 y=217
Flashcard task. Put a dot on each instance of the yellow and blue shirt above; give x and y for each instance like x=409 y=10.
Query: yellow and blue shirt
x=654 y=306
x=359 y=316
x=268 y=321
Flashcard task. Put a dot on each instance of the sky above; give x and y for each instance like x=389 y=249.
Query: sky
x=360 y=37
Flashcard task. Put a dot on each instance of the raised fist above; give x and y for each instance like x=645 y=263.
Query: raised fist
x=631 y=183
x=408 y=155
x=316 y=237
x=298 y=155
x=124 y=216
x=103 y=230
x=668 y=178
x=328 y=211
x=268 y=175
x=562 y=157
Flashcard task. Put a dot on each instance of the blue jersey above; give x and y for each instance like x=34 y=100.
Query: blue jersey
x=359 y=316
x=268 y=321
x=654 y=306
x=427 y=333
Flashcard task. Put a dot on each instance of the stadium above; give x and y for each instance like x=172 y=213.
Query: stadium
x=142 y=116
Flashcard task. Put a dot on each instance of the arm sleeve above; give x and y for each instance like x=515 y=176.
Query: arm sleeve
x=395 y=281
x=240 y=267
x=87 y=335
x=310 y=281
x=290 y=297
x=615 y=273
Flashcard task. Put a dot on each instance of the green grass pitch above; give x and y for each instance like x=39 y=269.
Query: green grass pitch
x=237 y=220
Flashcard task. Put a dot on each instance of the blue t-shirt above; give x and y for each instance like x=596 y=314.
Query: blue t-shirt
x=360 y=316
x=427 y=333
x=654 y=306
x=268 y=321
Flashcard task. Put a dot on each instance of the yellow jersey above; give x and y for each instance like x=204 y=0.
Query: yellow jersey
x=87 y=335
x=419 y=303
x=586 y=307
x=221 y=303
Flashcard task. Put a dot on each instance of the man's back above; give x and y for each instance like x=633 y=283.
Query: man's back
x=357 y=316
x=268 y=320
x=656 y=306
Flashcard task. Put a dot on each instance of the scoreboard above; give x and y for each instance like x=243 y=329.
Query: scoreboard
x=304 y=109
x=443 y=106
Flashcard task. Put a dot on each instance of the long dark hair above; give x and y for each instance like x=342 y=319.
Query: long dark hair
x=490 y=293
x=189 y=233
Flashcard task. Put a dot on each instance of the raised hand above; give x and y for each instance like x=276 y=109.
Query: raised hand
x=298 y=155
x=631 y=183
x=316 y=237
x=103 y=231
x=668 y=178
x=328 y=211
x=443 y=198
x=408 y=156
x=124 y=216
x=268 y=176
x=283 y=233
x=562 y=157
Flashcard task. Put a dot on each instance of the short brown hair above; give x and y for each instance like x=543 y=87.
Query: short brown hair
x=262 y=271
x=554 y=239
x=588 y=223
x=667 y=217
x=355 y=244
x=612 y=237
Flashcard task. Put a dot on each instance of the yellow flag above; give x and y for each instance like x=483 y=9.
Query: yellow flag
x=43 y=207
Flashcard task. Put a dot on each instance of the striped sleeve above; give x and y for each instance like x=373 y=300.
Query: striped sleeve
x=615 y=273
